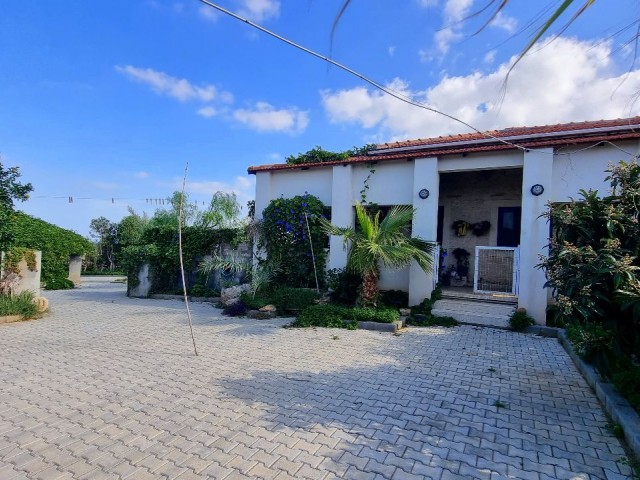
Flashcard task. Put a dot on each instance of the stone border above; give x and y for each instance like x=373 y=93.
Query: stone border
x=10 y=318
x=616 y=406
x=383 y=327
x=162 y=296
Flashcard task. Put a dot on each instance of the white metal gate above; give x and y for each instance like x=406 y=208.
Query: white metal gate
x=436 y=266
x=497 y=270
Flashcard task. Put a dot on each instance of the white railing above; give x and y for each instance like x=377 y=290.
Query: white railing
x=497 y=270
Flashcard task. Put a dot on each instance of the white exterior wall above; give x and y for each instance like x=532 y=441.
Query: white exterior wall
x=341 y=213
x=290 y=183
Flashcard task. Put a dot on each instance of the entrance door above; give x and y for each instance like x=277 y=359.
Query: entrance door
x=509 y=226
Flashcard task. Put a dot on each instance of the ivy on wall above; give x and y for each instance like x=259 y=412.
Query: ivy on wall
x=56 y=244
x=288 y=240
x=319 y=155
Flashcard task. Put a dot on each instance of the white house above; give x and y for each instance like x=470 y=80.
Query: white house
x=505 y=178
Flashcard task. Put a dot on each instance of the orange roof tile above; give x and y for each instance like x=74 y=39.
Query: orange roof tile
x=494 y=140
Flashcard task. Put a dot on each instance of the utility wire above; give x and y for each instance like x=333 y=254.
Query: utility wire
x=377 y=85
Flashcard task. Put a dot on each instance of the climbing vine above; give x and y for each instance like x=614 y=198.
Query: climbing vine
x=12 y=259
x=289 y=230
x=365 y=185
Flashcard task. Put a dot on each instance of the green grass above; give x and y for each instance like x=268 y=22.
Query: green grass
x=21 y=304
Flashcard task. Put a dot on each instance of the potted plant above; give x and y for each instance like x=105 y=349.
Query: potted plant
x=460 y=227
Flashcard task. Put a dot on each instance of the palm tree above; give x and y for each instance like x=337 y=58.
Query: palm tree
x=381 y=243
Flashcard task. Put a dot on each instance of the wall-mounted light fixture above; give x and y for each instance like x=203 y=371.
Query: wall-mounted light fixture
x=537 y=189
x=423 y=194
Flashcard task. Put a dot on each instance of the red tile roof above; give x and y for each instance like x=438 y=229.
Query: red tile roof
x=495 y=140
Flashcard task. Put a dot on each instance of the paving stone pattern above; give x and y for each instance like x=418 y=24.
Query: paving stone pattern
x=107 y=387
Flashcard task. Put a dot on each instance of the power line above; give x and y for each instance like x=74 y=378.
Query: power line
x=377 y=85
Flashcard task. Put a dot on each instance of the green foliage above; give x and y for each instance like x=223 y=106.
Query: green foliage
x=58 y=283
x=519 y=321
x=422 y=320
x=590 y=339
x=394 y=298
x=288 y=239
x=627 y=382
x=593 y=267
x=21 y=304
x=337 y=316
x=199 y=290
x=13 y=257
x=11 y=190
x=286 y=298
x=56 y=244
x=318 y=155
x=257 y=301
x=381 y=243
x=344 y=286
x=329 y=316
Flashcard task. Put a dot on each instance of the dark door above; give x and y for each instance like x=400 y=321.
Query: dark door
x=509 y=226
x=439 y=232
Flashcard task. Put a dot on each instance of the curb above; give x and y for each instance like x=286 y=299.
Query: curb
x=616 y=406
x=383 y=327
x=161 y=296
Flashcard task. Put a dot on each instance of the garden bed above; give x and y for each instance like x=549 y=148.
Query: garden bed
x=616 y=406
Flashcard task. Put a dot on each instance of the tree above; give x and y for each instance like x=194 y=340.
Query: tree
x=381 y=243
x=223 y=211
x=130 y=229
x=106 y=234
x=11 y=190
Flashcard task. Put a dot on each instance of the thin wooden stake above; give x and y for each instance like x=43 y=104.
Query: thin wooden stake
x=313 y=257
x=184 y=283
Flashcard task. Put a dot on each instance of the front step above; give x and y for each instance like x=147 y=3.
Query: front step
x=479 y=312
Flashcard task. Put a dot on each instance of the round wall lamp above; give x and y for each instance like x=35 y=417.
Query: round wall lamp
x=423 y=194
x=537 y=189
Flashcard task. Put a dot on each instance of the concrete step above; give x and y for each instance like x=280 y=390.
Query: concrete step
x=475 y=307
x=475 y=313
x=504 y=298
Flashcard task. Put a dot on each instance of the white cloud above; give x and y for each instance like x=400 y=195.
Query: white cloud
x=567 y=80
x=427 y=3
x=265 y=118
x=141 y=175
x=259 y=10
x=208 y=13
x=392 y=50
x=504 y=22
x=178 y=88
x=453 y=14
x=489 y=57
x=207 y=112
x=106 y=185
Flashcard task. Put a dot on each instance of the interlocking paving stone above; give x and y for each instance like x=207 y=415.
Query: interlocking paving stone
x=108 y=387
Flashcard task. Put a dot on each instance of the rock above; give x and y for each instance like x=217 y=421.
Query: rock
x=42 y=304
x=231 y=295
x=258 y=315
x=521 y=310
x=268 y=308
x=405 y=312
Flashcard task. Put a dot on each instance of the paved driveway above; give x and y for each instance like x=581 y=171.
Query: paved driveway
x=108 y=387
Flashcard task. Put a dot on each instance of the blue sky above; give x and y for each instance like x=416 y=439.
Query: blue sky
x=106 y=101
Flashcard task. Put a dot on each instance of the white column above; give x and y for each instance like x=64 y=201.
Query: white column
x=425 y=222
x=341 y=212
x=534 y=233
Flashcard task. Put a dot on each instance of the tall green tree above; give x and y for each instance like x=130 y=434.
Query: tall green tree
x=381 y=243
x=11 y=190
x=105 y=233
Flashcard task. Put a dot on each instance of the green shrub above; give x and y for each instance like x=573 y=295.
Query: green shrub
x=590 y=340
x=368 y=314
x=286 y=298
x=330 y=316
x=627 y=382
x=344 y=286
x=58 y=283
x=255 y=302
x=21 y=304
x=422 y=320
x=519 y=321
x=394 y=298
x=201 y=291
